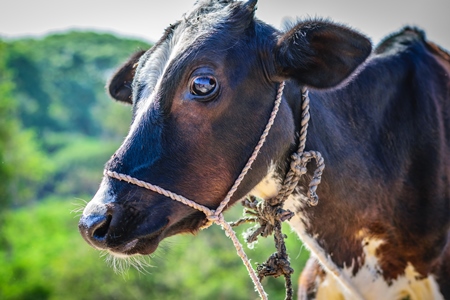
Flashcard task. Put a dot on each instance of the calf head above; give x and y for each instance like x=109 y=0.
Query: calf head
x=201 y=98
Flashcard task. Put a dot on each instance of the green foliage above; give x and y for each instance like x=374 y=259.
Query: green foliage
x=54 y=87
x=57 y=129
x=60 y=79
x=80 y=161
x=47 y=259
x=7 y=125
x=23 y=166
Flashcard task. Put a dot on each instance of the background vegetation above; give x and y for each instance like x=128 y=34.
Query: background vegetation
x=57 y=129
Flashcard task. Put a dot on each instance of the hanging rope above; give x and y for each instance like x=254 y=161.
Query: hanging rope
x=270 y=219
x=270 y=213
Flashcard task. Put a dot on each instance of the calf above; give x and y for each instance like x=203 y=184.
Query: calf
x=201 y=98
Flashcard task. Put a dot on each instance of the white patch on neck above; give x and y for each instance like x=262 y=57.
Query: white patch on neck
x=298 y=223
x=340 y=284
x=268 y=188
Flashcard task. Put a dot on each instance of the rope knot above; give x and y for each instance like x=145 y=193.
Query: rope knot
x=270 y=215
x=267 y=214
x=215 y=218
x=297 y=165
x=275 y=266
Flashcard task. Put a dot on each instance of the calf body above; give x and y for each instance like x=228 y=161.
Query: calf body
x=201 y=97
x=384 y=210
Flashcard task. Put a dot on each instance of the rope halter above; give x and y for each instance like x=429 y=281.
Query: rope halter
x=298 y=168
x=216 y=216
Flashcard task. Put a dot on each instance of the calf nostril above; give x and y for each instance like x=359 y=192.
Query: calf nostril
x=101 y=230
x=94 y=229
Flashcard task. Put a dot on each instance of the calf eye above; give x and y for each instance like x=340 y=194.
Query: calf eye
x=203 y=86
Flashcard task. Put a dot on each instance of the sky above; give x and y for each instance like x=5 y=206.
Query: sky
x=147 y=19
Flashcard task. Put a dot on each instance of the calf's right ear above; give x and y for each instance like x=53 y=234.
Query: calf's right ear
x=119 y=87
x=320 y=54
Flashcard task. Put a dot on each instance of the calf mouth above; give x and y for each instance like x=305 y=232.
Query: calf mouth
x=111 y=234
x=142 y=245
x=106 y=232
x=138 y=246
x=125 y=226
x=147 y=243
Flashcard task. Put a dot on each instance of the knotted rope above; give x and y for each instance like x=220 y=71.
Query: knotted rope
x=300 y=159
x=270 y=213
x=270 y=219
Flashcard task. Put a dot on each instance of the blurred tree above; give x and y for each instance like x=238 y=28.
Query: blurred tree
x=60 y=79
x=6 y=129
x=23 y=165
x=59 y=97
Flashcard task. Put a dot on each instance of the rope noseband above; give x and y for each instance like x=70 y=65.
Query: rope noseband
x=298 y=168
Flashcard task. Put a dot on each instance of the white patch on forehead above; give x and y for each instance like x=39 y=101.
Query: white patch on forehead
x=97 y=206
x=154 y=69
x=370 y=283
x=151 y=75
x=203 y=22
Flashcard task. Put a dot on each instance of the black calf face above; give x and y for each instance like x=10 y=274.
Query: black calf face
x=201 y=99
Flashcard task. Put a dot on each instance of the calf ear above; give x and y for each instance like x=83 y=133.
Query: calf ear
x=320 y=54
x=119 y=87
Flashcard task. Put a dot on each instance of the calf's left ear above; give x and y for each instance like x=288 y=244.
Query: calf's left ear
x=320 y=54
x=119 y=87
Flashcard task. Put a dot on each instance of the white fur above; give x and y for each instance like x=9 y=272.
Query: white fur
x=97 y=206
x=152 y=73
x=370 y=281
x=269 y=186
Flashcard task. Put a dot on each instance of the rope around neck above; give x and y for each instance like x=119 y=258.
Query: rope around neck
x=298 y=168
